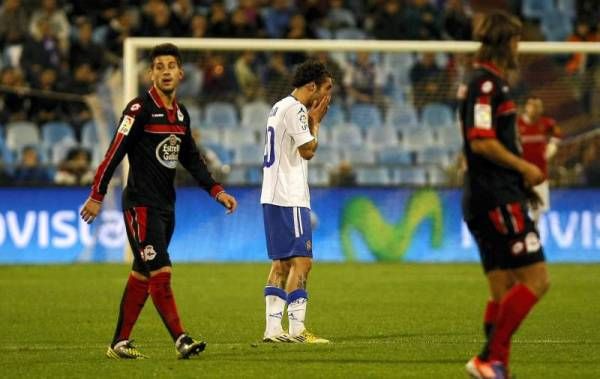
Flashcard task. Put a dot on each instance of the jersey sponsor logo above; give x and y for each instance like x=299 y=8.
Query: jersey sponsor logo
x=158 y=115
x=487 y=86
x=179 y=115
x=126 y=124
x=167 y=151
x=135 y=107
x=273 y=112
x=483 y=116
x=148 y=253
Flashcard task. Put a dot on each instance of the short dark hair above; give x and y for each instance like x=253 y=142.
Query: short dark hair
x=165 y=49
x=310 y=71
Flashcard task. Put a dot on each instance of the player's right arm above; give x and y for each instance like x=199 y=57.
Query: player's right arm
x=315 y=115
x=481 y=133
x=130 y=126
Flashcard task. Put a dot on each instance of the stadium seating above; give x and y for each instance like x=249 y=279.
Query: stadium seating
x=373 y=176
x=255 y=115
x=223 y=153
x=409 y=175
x=195 y=114
x=556 y=25
x=450 y=136
x=221 y=115
x=417 y=138
x=535 y=9
x=401 y=117
x=210 y=135
x=89 y=135
x=346 y=135
x=190 y=86
x=360 y=156
x=327 y=156
x=393 y=155
x=21 y=133
x=436 y=115
x=335 y=115
x=54 y=132
x=436 y=176
x=434 y=155
x=254 y=175
x=238 y=136
x=318 y=176
x=59 y=151
x=382 y=136
x=237 y=175
x=365 y=116
x=248 y=154
x=350 y=33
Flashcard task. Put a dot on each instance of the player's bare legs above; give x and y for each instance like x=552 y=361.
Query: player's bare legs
x=275 y=301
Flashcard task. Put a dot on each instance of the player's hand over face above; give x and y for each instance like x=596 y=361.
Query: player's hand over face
x=532 y=175
x=90 y=210
x=318 y=109
x=227 y=201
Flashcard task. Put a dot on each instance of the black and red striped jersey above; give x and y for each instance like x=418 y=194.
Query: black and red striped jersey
x=155 y=139
x=487 y=110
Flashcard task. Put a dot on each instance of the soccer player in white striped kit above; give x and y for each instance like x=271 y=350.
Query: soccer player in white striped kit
x=290 y=142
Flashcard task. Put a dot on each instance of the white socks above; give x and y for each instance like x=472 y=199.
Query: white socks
x=297 y=301
x=275 y=300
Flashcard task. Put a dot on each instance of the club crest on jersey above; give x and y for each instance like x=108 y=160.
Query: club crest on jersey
x=179 y=115
x=148 y=253
x=487 y=86
x=167 y=151
x=303 y=121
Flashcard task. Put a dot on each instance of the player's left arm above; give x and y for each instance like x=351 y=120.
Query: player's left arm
x=554 y=135
x=192 y=160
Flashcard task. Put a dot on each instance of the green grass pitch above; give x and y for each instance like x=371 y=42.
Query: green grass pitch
x=385 y=321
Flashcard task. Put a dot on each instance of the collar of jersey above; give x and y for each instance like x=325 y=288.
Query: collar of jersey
x=489 y=66
x=158 y=101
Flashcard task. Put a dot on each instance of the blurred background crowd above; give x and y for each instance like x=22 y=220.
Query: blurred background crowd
x=393 y=117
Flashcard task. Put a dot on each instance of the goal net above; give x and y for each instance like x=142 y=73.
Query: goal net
x=393 y=115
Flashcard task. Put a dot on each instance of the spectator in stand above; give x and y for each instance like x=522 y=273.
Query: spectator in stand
x=120 y=28
x=253 y=16
x=76 y=169
x=5 y=178
x=183 y=12
x=247 y=77
x=389 y=22
x=297 y=29
x=41 y=51
x=428 y=82
x=240 y=27
x=423 y=21
x=44 y=108
x=219 y=80
x=15 y=102
x=314 y=12
x=591 y=165
x=364 y=81
x=581 y=66
x=278 y=18
x=198 y=26
x=343 y=175
x=339 y=17
x=14 y=23
x=84 y=83
x=159 y=22
x=218 y=21
x=29 y=171
x=58 y=23
x=457 y=21
x=277 y=78
x=84 y=50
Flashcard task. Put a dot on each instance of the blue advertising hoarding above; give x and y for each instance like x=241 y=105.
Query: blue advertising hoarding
x=358 y=224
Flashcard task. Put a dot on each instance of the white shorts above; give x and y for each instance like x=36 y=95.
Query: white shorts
x=543 y=191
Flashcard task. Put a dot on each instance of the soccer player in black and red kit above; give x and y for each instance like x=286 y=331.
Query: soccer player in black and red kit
x=496 y=192
x=154 y=132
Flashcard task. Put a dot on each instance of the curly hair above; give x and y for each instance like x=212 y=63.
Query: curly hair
x=165 y=49
x=495 y=33
x=310 y=71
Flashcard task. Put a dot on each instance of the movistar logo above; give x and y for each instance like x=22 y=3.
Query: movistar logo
x=388 y=242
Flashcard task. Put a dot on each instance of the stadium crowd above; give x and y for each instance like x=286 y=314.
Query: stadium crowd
x=54 y=54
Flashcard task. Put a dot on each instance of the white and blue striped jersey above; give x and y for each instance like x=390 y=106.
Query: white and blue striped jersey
x=285 y=172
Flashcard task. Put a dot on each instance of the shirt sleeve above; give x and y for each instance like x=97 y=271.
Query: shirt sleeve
x=130 y=127
x=479 y=113
x=296 y=119
x=552 y=129
x=194 y=162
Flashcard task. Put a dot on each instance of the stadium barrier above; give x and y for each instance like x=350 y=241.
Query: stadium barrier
x=361 y=224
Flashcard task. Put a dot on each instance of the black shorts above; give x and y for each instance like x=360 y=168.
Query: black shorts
x=149 y=231
x=507 y=238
